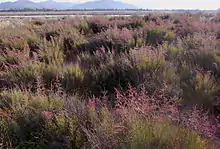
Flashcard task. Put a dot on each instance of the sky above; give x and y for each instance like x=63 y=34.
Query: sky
x=163 y=4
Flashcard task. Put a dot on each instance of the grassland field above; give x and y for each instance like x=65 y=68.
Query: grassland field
x=109 y=80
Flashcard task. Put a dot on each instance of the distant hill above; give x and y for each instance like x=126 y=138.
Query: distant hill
x=104 y=4
x=51 y=4
x=20 y=4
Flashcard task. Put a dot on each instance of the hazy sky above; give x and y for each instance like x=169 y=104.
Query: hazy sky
x=190 y=4
x=169 y=4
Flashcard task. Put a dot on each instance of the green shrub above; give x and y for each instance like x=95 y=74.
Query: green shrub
x=132 y=25
x=43 y=114
x=13 y=100
x=200 y=90
x=72 y=77
x=49 y=73
x=137 y=24
x=72 y=46
x=119 y=39
x=190 y=44
x=159 y=36
x=34 y=44
x=97 y=27
x=83 y=27
x=38 y=23
x=140 y=43
x=17 y=44
x=25 y=74
x=7 y=59
x=149 y=60
x=52 y=54
x=162 y=135
x=172 y=52
x=205 y=60
x=51 y=34
x=16 y=100
x=58 y=132
x=113 y=74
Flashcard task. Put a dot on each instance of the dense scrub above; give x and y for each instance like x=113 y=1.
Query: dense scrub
x=111 y=82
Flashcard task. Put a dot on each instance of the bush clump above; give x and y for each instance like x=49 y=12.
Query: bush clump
x=159 y=36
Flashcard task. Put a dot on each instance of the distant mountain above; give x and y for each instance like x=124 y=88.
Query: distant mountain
x=51 y=4
x=20 y=4
x=104 y=4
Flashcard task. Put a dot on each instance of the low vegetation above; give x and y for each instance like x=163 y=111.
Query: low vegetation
x=111 y=83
